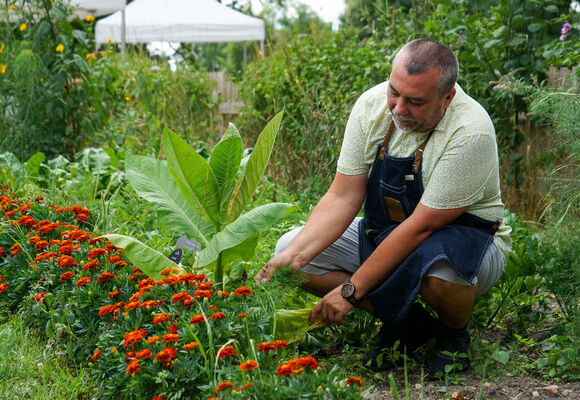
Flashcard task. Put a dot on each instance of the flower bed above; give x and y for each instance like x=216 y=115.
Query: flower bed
x=179 y=337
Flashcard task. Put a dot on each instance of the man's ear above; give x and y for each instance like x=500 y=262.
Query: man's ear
x=448 y=97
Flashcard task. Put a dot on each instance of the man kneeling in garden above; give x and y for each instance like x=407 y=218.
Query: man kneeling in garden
x=432 y=212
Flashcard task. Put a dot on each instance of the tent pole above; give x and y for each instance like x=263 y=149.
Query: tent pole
x=245 y=52
x=262 y=48
x=123 y=27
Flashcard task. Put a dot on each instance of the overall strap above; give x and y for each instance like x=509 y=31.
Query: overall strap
x=386 y=141
x=419 y=153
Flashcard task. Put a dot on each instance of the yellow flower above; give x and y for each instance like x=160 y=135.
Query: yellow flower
x=127 y=98
x=11 y=7
x=2 y=69
x=109 y=39
x=91 y=56
x=41 y=79
x=2 y=46
x=23 y=26
x=90 y=18
x=102 y=54
x=59 y=48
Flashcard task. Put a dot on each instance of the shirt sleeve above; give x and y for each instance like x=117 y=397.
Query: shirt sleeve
x=462 y=174
x=352 y=153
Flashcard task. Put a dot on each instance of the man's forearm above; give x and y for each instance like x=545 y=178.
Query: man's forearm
x=330 y=218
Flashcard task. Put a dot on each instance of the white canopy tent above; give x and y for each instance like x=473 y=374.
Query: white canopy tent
x=200 y=21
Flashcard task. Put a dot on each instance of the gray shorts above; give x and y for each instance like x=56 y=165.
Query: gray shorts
x=343 y=255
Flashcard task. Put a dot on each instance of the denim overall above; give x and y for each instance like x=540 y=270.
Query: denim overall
x=394 y=189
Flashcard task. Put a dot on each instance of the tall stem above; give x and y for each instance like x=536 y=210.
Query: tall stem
x=219 y=271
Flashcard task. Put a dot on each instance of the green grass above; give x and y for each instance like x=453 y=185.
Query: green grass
x=31 y=369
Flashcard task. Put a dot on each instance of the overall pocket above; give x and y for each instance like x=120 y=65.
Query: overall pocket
x=396 y=204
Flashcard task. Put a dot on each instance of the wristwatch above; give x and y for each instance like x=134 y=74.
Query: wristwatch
x=347 y=292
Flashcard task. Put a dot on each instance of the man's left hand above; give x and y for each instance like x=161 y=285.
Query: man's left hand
x=332 y=307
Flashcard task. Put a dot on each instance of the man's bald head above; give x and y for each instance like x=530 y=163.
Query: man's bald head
x=421 y=55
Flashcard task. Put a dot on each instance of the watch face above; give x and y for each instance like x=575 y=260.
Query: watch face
x=347 y=289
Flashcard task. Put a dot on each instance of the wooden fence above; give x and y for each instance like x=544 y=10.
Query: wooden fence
x=225 y=94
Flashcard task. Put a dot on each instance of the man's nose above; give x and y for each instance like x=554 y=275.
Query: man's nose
x=400 y=108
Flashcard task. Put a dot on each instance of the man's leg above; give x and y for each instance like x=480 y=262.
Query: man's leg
x=453 y=302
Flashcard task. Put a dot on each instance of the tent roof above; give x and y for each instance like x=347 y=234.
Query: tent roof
x=96 y=8
x=179 y=21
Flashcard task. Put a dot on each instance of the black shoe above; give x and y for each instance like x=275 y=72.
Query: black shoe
x=450 y=352
x=416 y=329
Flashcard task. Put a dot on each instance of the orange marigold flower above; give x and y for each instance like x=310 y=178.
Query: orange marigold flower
x=285 y=369
x=170 y=337
x=3 y=287
x=224 y=386
x=217 y=315
x=149 y=304
x=66 y=261
x=133 y=337
x=307 y=361
x=130 y=355
x=133 y=367
x=132 y=305
x=266 y=347
x=188 y=303
x=173 y=328
x=107 y=309
x=82 y=217
x=223 y=293
x=152 y=339
x=180 y=297
x=14 y=250
x=280 y=343
x=353 y=380
x=243 y=291
x=96 y=252
x=248 y=365
x=34 y=239
x=166 y=355
x=116 y=260
x=243 y=315
x=196 y=319
x=202 y=293
x=65 y=249
x=159 y=318
x=41 y=245
x=84 y=281
x=136 y=296
x=190 y=346
x=170 y=280
x=145 y=282
x=91 y=265
x=114 y=294
x=204 y=285
x=66 y=276
x=160 y=398
x=95 y=240
x=1 y=253
x=226 y=351
x=246 y=386
x=166 y=271
x=143 y=354
x=106 y=276
x=39 y=296
x=95 y=357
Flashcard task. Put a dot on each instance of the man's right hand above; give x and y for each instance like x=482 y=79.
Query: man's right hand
x=280 y=261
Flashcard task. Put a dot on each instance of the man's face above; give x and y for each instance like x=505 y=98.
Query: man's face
x=414 y=100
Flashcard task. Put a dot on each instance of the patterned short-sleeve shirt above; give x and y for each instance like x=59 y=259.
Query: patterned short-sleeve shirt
x=460 y=164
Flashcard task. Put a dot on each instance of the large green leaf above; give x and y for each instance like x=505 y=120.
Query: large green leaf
x=32 y=166
x=253 y=221
x=193 y=175
x=152 y=181
x=150 y=261
x=246 y=185
x=225 y=162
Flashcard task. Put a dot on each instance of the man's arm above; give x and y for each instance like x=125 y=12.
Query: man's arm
x=392 y=251
x=330 y=218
